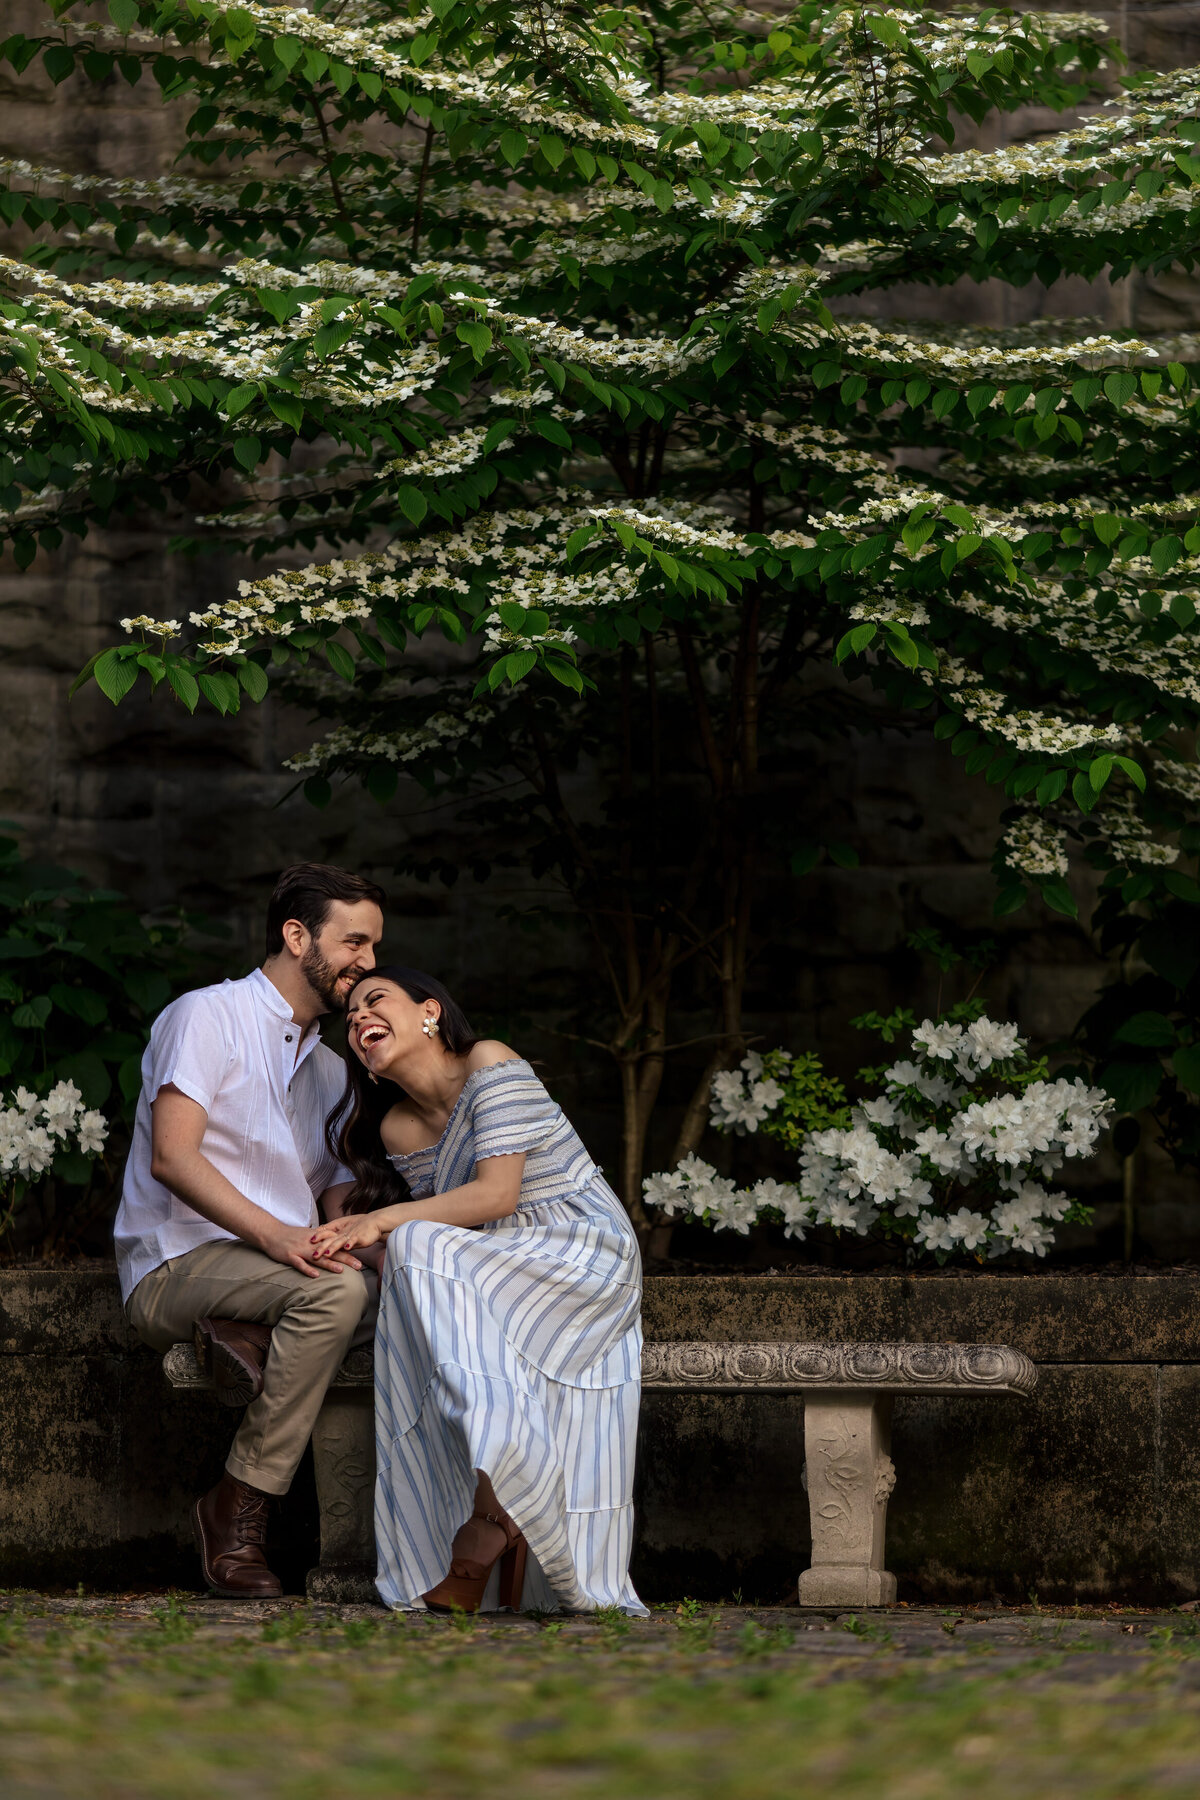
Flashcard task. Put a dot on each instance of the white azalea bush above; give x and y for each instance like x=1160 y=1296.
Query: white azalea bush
x=954 y=1155
x=37 y=1130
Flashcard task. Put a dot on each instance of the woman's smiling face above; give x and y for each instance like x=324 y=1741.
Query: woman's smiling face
x=382 y=1021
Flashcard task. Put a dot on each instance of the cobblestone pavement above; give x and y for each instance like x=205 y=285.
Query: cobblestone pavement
x=1083 y=1641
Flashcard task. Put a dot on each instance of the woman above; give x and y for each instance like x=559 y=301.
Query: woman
x=508 y=1354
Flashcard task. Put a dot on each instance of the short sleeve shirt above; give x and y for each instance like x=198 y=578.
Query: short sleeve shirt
x=236 y=1051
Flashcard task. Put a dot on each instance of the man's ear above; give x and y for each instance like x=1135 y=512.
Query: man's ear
x=296 y=937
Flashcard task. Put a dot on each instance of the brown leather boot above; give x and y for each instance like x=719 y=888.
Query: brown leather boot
x=231 y=1529
x=234 y=1353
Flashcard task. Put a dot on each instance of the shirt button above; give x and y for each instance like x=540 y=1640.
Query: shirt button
x=287 y=1037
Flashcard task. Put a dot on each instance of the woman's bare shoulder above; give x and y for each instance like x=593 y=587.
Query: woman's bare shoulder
x=489 y=1051
x=402 y=1131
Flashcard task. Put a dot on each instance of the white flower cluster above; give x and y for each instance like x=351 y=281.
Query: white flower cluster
x=1129 y=837
x=439 y=731
x=965 y=1111
x=33 y=1130
x=155 y=627
x=1180 y=779
x=694 y=1188
x=742 y=1097
x=1035 y=847
x=1027 y=728
x=446 y=457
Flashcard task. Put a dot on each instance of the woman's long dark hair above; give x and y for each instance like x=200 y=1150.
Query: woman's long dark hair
x=352 y=1128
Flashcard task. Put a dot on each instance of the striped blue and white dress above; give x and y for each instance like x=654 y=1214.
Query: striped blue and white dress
x=515 y=1348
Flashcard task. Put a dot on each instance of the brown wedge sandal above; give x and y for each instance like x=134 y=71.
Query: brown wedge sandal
x=462 y=1589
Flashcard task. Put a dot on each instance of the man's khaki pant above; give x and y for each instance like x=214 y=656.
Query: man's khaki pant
x=314 y=1321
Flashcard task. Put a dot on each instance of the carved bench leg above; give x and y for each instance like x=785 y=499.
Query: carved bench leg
x=343 y=1443
x=849 y=1476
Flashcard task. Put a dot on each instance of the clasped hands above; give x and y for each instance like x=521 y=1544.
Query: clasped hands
x=353 y=1231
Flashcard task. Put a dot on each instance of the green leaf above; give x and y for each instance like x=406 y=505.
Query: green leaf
x=253 y=678
x=240 y=398
x=85 y=674
x=513 y=146
x=33 y=1015
x=289 y=50
x=1059 y=898
x=80 y=1002
x=854 y=642
x=1132 y=1085
x=248 y=452
x=340 y=660
x=1120 y=387
x=477 y=337
x=564 y=672
x=124 y=14
x=1150 y=1030
x=1166 y=553
x=1186 y=1066
x=412 y=503
x=1182 y=886
x=59 y=60
x=1009 y=900
x=1084 y=793
x=115 y=674
x=19 y=949
x=868 y=552
x=915 y=535
x=183 y=684
x=86 y=1069
x=219 y=689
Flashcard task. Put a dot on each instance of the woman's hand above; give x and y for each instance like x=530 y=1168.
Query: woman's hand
x=352 y=1231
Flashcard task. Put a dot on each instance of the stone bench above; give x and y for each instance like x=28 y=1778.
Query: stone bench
x=848 y=1392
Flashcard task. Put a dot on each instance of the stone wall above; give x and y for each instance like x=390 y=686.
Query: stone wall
x=168 y=807
x=1088 y=1491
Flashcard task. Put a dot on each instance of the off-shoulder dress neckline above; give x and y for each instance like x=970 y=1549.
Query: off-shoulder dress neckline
x=506 y=1062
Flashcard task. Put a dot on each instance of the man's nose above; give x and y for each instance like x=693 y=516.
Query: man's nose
x=368 y=957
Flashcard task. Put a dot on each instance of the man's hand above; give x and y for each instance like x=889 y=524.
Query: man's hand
x=351 y=1232
x=293 y=1245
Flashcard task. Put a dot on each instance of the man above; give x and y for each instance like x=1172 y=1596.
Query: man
x=227 y=1165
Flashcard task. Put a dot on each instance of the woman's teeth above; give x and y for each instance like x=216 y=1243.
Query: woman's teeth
x=372 y=1035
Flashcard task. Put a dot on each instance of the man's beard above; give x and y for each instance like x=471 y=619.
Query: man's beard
x=324 y=979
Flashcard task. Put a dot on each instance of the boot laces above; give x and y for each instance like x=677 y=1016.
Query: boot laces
x=252 y=1518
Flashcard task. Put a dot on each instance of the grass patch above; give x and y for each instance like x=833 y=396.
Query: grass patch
x=185 y=1700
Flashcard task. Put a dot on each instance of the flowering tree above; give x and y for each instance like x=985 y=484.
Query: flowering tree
x=541 y=323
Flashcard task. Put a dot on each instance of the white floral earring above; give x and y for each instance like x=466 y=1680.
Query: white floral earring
x=429 y=1025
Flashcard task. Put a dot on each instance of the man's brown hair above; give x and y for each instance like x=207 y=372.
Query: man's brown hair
x=306 y=892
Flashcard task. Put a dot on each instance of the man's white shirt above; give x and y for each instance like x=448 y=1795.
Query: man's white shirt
x=236 y=1051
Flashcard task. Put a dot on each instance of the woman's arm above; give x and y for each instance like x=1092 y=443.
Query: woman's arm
x=336 y=1203
x=492 y=1194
